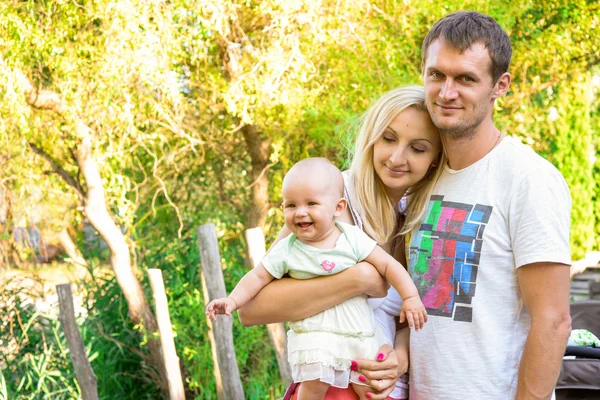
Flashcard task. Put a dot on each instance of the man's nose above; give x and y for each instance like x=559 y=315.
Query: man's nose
x=448 y=91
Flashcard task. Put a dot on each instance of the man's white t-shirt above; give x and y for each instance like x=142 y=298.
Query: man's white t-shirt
x=509 y=209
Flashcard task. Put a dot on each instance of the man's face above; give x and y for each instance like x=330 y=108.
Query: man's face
x=459 y=90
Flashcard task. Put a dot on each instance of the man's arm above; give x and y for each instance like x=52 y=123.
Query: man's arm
x=291 y=299
x=545 y=293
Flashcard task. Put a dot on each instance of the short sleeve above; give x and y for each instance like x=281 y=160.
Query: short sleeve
x=539 y=218
x=360 y=242
x=275 y=262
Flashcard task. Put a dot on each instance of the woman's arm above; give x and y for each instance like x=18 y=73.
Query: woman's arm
x=291 y=299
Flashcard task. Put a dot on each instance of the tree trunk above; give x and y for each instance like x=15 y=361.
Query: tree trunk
x=72 y=251
x=97 y=213
x=120 y=258
x=259 y=151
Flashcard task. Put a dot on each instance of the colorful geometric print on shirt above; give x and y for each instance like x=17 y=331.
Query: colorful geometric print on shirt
x=445 y=255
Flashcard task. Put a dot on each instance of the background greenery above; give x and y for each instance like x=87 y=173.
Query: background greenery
x=191 y=101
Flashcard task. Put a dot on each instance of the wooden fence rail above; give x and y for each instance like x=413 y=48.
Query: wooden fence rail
x=255 y=239
x=176 y=391
x=227 y=374
x=83 y=370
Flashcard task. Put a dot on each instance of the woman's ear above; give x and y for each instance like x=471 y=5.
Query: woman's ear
x=340 y=207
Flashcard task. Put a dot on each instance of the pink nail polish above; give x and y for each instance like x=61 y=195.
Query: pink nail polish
x=368 y=395
x=353 y=368
x=354 y=364
x=380 y=356
x=362 y=378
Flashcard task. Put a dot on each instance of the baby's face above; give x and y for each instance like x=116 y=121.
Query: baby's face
x=310 y=208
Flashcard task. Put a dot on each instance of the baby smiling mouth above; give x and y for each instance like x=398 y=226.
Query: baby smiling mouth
x=304 y=224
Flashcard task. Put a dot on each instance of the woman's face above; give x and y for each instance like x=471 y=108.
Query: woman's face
x=405 y=151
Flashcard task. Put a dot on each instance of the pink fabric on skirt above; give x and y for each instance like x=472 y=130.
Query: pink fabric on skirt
x=332 y=394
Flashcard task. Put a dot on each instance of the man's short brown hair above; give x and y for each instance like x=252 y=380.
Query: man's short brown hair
x=462 y=29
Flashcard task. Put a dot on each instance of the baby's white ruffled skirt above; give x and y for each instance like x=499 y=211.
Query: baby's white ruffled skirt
x=323 y=346
x=331 y=361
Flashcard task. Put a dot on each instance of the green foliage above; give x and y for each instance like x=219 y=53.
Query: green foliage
x=35 y=358
x=166 y=87
x=572 y=153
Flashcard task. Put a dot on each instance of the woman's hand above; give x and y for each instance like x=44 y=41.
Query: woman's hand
x=381 y=375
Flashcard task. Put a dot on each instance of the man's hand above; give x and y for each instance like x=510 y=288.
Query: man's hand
x=219 y=307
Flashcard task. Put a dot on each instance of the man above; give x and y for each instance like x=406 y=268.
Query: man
x=491 y=259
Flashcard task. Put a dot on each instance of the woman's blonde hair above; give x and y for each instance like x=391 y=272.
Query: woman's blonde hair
x=379 y=212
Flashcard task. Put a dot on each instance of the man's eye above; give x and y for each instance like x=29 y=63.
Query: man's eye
x=435 y=74
x=468 y=79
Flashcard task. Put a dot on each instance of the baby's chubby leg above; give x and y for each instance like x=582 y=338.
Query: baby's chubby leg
x=312 y=390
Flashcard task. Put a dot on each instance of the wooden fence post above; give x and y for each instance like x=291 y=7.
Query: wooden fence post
x=227 y=374
x=256 y=251
x=83 y=370
x=165 y=330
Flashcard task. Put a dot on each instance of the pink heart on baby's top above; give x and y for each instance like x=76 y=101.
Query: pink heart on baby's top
x=328 y=265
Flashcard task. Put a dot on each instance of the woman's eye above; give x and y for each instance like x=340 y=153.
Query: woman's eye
x=418 y=150
x=387 y=139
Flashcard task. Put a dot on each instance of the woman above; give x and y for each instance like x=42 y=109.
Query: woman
x=398 y=153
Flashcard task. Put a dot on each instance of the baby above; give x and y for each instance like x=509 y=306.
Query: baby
x=321 y=348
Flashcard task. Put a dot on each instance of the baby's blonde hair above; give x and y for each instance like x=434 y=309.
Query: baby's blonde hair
x=378 y=209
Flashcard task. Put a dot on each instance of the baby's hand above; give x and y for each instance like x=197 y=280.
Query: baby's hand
x=414 y=312
x=219 y=307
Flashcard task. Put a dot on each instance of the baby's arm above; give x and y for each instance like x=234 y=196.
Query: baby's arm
x=412 y=307
x=245 y=290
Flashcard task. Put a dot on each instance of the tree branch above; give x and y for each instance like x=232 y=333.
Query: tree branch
x=60 y=171
x=224 y=197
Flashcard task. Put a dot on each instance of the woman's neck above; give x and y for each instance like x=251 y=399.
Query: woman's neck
x=395 y=195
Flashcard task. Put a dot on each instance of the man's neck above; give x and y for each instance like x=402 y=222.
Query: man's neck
x=464 y=152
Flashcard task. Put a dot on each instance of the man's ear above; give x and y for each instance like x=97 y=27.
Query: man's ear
x=340 y=207
x=502 y=85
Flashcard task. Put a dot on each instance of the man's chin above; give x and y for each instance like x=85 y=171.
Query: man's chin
x=446 y=123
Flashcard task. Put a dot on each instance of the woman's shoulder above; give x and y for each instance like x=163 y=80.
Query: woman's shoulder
x=354 y=207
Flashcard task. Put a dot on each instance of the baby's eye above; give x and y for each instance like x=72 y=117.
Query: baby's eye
x=290 y=205
x=312 y=203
